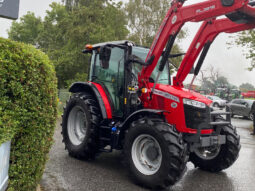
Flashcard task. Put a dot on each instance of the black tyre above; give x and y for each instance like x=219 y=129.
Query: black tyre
x=216 y=105
x=80 y=126
x=251 y=116
x=217 y=158
x=154 y=153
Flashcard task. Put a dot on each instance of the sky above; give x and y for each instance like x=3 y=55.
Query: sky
x=36 y=6
x=229 y=60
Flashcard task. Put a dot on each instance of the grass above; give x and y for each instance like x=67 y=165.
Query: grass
x=250 y=98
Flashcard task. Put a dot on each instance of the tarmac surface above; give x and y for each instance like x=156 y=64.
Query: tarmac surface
x=106 y=173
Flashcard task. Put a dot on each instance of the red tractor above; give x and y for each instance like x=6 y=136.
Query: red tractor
x=249 y=94
x=130 y=102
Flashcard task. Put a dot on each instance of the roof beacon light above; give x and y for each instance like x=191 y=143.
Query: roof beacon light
x=88 y=47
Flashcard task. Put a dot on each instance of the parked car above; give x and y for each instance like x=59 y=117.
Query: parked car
x=217 y=102
x=241 y=107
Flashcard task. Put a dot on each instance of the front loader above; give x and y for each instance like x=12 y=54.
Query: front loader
x=131 y=103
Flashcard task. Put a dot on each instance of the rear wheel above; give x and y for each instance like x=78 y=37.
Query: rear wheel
x=154 y=153
x=217 y=158
x=79 y=126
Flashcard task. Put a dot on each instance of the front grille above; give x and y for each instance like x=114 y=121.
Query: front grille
x=195 y=116
x=161 y=102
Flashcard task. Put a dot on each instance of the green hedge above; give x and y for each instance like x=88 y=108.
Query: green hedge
x=28 y=102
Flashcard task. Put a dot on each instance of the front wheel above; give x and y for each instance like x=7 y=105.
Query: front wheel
x=154 y=153
x=251 y=116
x=217 y=158
x=216 y=105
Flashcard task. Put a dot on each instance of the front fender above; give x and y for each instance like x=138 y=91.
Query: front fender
x=138 y=113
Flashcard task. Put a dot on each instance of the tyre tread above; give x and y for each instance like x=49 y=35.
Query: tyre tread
x=177 y=164
x=227 y=155
x=89 y=150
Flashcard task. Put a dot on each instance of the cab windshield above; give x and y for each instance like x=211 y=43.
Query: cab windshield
x=142 y=54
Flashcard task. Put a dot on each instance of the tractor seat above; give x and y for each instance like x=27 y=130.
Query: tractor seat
x=245 y=15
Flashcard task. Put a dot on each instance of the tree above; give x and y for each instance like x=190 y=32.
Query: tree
x=208 y=86
x=246 y=87
x=54 y=40
x=64 y=33
x=96 y=22
x=70 y=4
x=27 y=30
x=144 y=19
x=75 y=4
x=211 y=79
x=246 y=39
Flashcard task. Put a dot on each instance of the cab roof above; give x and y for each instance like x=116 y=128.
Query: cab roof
x=95 y=46
x=121 y=42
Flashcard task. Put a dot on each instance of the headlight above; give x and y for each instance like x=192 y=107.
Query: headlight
x=194 y=103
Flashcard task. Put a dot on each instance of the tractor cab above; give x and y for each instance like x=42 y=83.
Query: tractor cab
x=116 y=67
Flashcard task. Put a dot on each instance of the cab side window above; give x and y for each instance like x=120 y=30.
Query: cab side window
x=112 y=78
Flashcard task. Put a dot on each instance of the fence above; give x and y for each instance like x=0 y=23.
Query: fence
x=4 y=164
x=63 y=96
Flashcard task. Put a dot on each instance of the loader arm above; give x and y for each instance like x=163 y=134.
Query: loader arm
x=208 y=31
x=175 y=18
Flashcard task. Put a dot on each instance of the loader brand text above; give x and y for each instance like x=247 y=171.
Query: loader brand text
x=206 y=9
x=166 y=95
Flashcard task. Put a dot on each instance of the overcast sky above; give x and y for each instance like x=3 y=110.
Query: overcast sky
x=38 y=7
x=231 y=62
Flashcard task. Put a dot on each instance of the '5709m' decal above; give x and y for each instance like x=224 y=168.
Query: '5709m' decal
x=166 y=95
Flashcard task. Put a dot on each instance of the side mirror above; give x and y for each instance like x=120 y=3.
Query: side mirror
x=104 y=56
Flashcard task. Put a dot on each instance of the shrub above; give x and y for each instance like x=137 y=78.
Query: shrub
x=28 y=98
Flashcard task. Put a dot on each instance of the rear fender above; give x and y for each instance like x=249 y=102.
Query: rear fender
x=99 y=94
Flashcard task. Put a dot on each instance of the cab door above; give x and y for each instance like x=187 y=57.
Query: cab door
x=112 y=78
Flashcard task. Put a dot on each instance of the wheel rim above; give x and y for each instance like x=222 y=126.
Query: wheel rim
x=77 y=126
x=146 y=154
x=216 y=105
x=207 y=153
x=251 y=116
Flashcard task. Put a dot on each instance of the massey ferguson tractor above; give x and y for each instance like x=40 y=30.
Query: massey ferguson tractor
x=131 y=102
